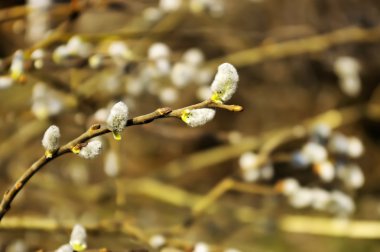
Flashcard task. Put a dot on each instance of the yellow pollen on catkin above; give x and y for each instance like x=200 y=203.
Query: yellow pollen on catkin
x=48 y=154
x=75 y=149
x=216 y=98
x=116 y=135
x=185 y=115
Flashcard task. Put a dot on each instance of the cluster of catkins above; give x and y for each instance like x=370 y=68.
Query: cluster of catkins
x=159 y=75
x=165 y=79
x=78 y=48
x=330 y=156
x=223 y=87
x=215 y=8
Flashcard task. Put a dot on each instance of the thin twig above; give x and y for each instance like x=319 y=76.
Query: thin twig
x=294 y=47
x=94 y=131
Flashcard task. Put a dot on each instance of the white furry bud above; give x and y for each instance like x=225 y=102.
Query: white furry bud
x=158 y=51
x=152 y=14
x=182 y=74
x=111 y=164
x=60 y=54
x=355 y=147
x=157 y=241
x=301 y=198
x=50 y=141
x=96 y=61
x=17 y=65
x=64 y=248
x=225 y=83
x=76 y=46
x=193 y=56
x=168 y=95
x=91 y=150
x=325 y=170
x=321 y=199
x=347 y=69
x=170 y=5
x=119 y=50
x=117 y=119
x=5 y=82
x=197 y=117
x=352 y=176
x=346 y=66
x=341 y=204
x=201 y=247
x=287 y=186
x=248 y=161
x=314 y=152
x=78 y=238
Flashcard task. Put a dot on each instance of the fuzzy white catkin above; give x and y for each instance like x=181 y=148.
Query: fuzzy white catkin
x=201 y=247
x=325 y=170
x=38 y=54
x=231 y=250
x=193 y=56
x=162 y=67
x=346 y=66
x=248 y=161
x=341 y=204
x=321 y=199
x=118 y=117
x=301 y=198
x=152 y=14
x=352 y=176
x=267 y=172
x=338 y=143
x=78 y=238
x=111 y=164
x=288 y=186
x=64 y=248
x=314 y=152
x=157 y=241
x=182 y=74
x=225 y=82
x=119 y=50
x=91 y=150
x=96 y=61
x=355 y=147
x=168 y=95
x=251 y=175
x=74 y=45
x=17 y=64
x=198 y=117
x=170 y=5
x=158 y=51
x=5 y=82
x=351 y=85
x=50 y=141
x=60 y=53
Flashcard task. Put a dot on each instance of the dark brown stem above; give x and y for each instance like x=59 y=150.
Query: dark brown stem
x=94 y=131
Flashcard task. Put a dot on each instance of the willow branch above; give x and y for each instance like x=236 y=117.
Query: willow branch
x=312 y=44
x=94 y=131
x=225 y=185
